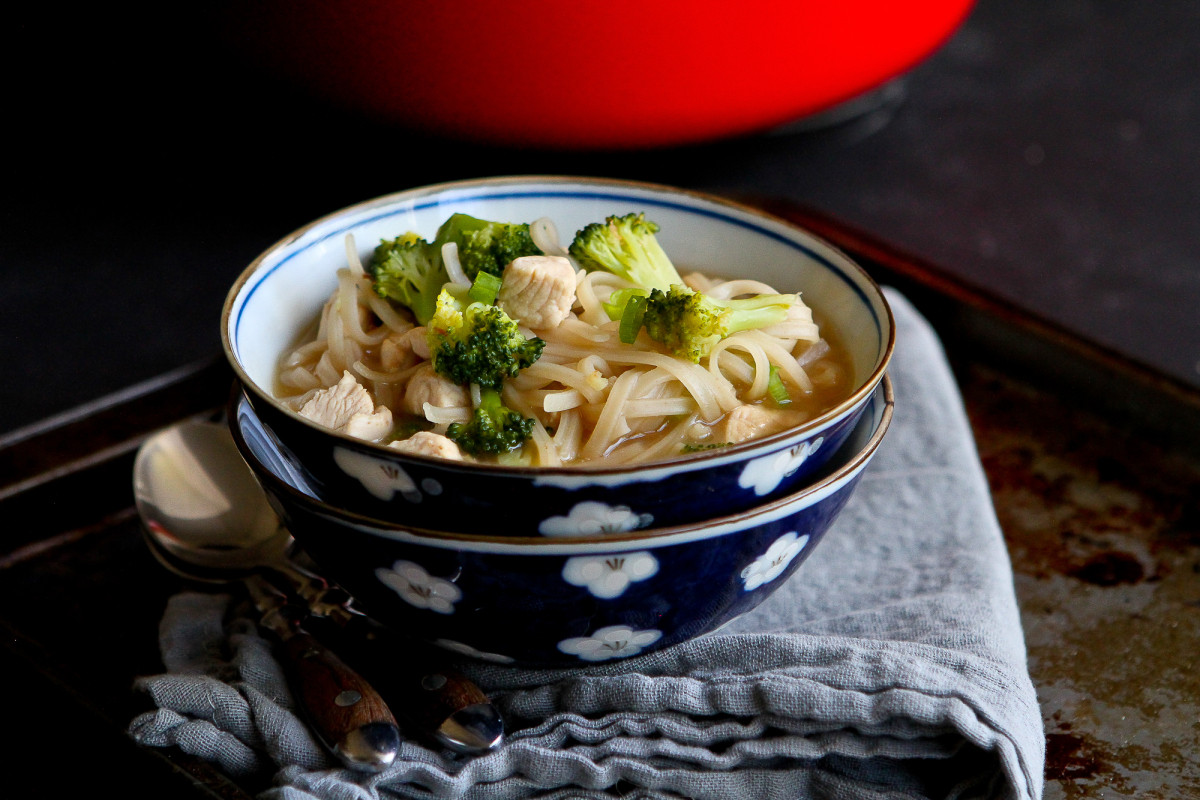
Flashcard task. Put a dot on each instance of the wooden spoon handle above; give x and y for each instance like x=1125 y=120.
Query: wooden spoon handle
x=433 y=700
x=345 y=711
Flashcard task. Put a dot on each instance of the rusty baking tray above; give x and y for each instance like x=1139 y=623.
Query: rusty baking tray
x=1094 y=463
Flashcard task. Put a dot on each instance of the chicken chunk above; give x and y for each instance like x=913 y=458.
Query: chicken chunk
x=428 y=443
x=538 y=291
x=752 y=421
x=426 y=386
x=348 y=408
x=419 y=343
x=398 y=350
x=372 y=427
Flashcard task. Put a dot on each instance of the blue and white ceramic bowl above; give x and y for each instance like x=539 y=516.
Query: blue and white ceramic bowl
x=571 y=600
x=281 y=294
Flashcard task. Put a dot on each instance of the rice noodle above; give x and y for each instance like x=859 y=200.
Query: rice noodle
x=789 y=369
x=542 y=373
x=567 y=435
x=305 y=353
x=563 y=400
x=453 y=265
x=647 y=448
x=392 y=318
x=658 y=407
x=756 y=374
x=714 y=395
x=360 y=369
x=544 y=233
x=727 y=290
x=591 y=291
x=444 y=416
x=352 y=311
x=611 y=424
x=546 y=454
x=352 y=259
x=327 y=373
x=299 y=378
x=594 y=399
x=818 y=350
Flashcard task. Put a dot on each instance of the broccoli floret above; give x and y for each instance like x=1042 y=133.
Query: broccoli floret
x=485 y=246
x=626 y=246
x=409 y=271
x=493 y=428
x=477 y=343
x=687 y=322
x=690 y=323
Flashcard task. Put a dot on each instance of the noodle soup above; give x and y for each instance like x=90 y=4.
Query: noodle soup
x=595 y=395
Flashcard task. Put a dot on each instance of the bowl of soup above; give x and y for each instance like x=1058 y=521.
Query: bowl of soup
x=563 y=601
x=553 y=393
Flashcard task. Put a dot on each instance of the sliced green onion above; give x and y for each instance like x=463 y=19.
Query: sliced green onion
x=776 y=389
x=485 y=288
x=618 y=300
x=631 y=318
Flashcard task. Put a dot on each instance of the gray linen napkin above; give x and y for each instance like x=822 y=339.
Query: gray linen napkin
x=892 y=665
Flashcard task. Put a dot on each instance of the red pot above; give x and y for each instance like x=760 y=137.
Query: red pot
x=580 y=74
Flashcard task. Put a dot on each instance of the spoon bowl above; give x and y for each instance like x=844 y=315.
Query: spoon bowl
x=206 y=518
x=204 y=521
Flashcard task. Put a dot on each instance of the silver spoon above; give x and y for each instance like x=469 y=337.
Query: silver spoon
x=204 y=522
x=207 y=517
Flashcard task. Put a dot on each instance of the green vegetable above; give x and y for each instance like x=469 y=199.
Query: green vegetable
x=618 y=301
x=485 y=246
x=625 y=246
x=485 y=288
x=687 y=322
x=690 y=324
x=494 y=427
x=473 y=342
x=409 y=271
x=632 y=318
x=776 y=389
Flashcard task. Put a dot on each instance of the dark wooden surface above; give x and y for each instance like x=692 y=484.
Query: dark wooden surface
x=1098 y=504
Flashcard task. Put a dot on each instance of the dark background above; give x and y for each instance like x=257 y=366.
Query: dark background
x=1046 y=154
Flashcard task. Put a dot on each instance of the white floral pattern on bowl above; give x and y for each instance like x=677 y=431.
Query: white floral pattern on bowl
x=379 y=477
x=418 y=588
x=608 y=576
x=614 y=641
x=771 y=564
x=590 y=518
x=764 y=474
x=467 y=650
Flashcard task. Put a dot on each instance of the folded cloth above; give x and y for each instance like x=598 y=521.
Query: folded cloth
x=891 y=665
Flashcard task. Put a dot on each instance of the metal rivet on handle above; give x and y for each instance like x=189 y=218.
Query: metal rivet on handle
x=431 y=683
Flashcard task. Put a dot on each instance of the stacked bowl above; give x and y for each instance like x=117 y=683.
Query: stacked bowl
x=558 y=566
